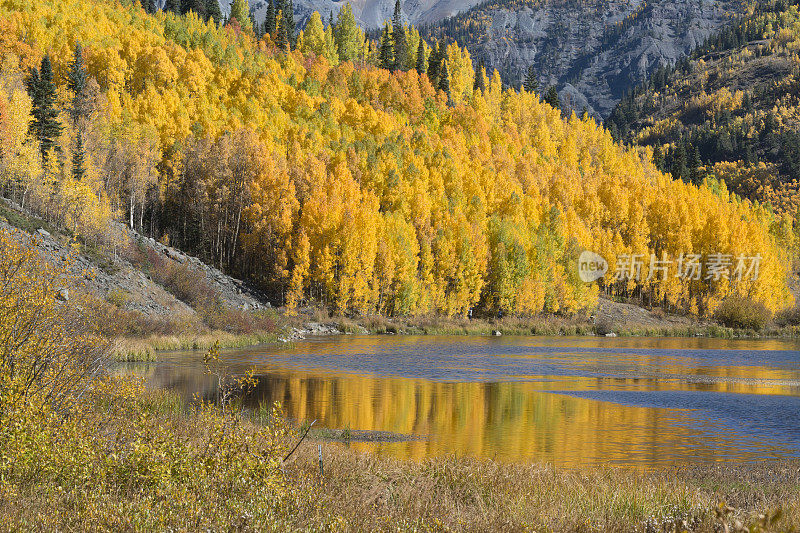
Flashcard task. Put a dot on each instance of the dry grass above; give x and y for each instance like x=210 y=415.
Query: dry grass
x=146 y=349
x=460 y=494
x=545 y=325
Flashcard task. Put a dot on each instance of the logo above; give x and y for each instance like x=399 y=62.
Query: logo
x=591 y=266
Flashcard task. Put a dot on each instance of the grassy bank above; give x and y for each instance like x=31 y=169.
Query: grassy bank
x=463 y=494
x=548 y=326
x=146 y=349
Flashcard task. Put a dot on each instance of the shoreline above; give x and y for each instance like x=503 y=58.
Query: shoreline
x=143 y=349
x=326 y=486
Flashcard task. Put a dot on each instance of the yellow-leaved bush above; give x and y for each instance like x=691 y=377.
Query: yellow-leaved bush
x=114 y=454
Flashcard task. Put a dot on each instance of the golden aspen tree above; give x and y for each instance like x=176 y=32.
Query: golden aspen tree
x=313 y=36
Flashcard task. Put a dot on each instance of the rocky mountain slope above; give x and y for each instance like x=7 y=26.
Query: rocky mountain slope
x=731 y=110
x=592 y=51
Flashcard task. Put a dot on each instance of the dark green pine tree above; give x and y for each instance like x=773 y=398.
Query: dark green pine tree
x=399 y=38
x=749 y=153
x=747 y=103
x=531 y=83
x=149 y=6
x=614 y=131
x=385 y=55
x=658 y=157
x=551 y=97
x=173 y=6
x=76 y=82
x=421 y=57
x=288 y=16
x=679 y=168
x=695 y=174
x=44 y=126
x=78 y=158
x=789 y=153
x=269 y=21
x=282 y=35
x=479 y=84
x=444 y=80
x=213 y=11
x=434 y=61
x=198 y=6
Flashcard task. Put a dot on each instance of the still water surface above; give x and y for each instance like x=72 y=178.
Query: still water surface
x=571 y=401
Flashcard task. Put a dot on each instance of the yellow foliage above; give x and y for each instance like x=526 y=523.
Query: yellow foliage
x=370 y=192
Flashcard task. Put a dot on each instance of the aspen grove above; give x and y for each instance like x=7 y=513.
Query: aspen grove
x=293 y=159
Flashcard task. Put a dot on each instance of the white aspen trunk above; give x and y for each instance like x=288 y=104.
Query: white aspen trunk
x=236 y=235
x=219 y=243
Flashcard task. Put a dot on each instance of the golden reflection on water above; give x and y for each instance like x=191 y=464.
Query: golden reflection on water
x=531 y=418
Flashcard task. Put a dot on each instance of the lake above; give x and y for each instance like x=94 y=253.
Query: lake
x=644 y=402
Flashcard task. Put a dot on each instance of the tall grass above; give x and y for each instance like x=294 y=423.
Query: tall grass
x=146 y=349
x=461 y=494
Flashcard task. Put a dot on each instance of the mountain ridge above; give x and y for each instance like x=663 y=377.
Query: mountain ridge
x=730 y=110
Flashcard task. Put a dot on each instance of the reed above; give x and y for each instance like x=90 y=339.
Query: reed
x=146 y=349
x=463 y=494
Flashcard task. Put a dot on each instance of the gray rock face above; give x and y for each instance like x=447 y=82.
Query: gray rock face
x=592 y=51
x=370 y=14
x=234 y=293
x=312 y=329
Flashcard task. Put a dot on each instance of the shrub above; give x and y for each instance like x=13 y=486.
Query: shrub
x=133 y=451
x=788 y=317
x=238 y=321
x=187 y=284
x=50 y=350
x=100 y=257
x=118 y=322
x=117 y=297
x=603 y=326
x=742 y=313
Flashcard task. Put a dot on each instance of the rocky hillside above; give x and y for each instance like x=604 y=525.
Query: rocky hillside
x=132 y=275
x=592 y=51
